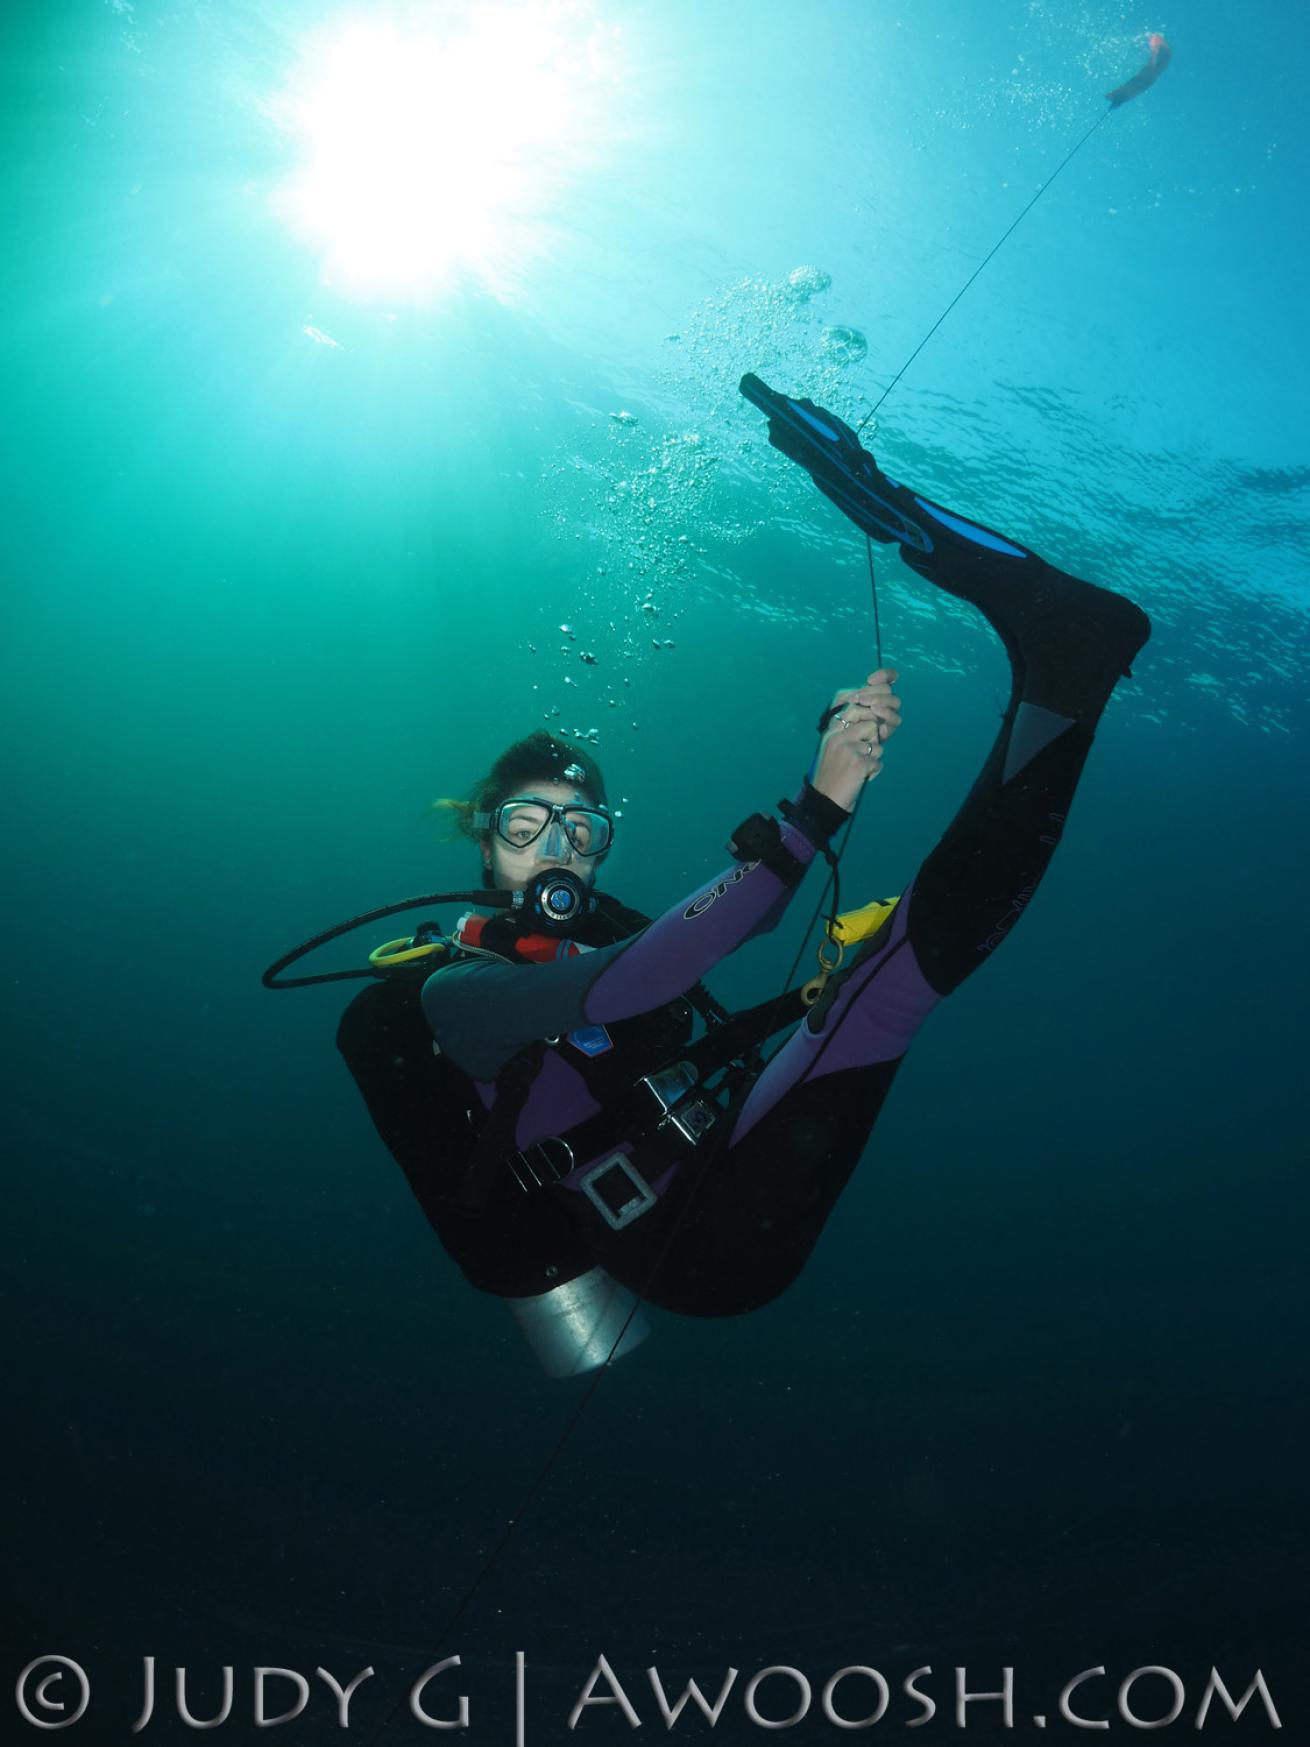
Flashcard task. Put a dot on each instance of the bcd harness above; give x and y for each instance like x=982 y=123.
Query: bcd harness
x=621 y=1158
x=665 y=1115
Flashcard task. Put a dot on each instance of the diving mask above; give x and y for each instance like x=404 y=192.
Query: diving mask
x=566 y=826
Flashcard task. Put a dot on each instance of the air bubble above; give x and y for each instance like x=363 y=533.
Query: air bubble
x=845 y=345
x=806 y=282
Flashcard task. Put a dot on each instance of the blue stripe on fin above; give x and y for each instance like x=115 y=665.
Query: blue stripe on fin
x=971 y=531
x=824 y=430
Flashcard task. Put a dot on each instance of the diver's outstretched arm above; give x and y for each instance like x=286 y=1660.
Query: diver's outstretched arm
x=483 y=1011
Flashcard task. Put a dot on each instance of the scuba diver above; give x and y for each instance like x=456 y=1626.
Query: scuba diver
x=576 y=1151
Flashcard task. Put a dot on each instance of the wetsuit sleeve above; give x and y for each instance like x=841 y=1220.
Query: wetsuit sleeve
x=483 y=1011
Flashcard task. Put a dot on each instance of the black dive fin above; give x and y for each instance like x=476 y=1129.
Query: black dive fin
x=830 y=452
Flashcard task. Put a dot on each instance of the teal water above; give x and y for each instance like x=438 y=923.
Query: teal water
x=288 y=551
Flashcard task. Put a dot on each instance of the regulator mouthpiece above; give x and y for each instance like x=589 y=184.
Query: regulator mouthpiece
x=555 y=898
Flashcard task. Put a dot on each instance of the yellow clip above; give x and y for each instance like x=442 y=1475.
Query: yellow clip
x=856 y=925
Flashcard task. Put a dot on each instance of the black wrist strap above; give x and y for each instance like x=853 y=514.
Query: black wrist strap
x=759 y=838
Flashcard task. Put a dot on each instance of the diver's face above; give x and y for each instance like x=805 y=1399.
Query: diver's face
x=512 y=868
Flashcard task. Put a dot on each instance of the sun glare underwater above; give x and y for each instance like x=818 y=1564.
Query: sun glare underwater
x=435 y=143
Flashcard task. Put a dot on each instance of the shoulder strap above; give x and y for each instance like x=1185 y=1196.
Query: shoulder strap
x=496 y=1139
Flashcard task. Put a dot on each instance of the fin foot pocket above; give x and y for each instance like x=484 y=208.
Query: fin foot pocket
x=1070 y=640
x=1075 y=655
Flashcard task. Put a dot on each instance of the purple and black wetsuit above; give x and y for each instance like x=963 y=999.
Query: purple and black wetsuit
x=761 y=1202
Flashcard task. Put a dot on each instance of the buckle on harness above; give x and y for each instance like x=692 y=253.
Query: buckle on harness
x=670 y=1085
x=669 y=1088
x=632 y=1206
x=695 y=1122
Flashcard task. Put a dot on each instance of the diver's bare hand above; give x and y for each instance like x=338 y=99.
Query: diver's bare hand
x=850 y=753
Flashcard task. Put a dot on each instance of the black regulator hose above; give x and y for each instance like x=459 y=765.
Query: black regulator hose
x=495 y=899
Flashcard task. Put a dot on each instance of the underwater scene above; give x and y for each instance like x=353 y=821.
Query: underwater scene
x=751 y=511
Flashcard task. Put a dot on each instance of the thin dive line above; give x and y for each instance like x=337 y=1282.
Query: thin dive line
x=977 y=270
